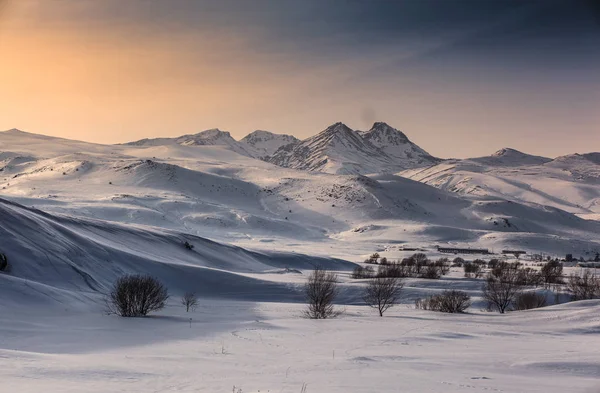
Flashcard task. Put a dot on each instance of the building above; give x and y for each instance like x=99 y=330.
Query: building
x=516 y=253
x=455 y=250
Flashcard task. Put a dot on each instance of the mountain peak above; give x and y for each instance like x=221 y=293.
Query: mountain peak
x=337 y=127
x=507 y=151
x=14 y=131
x=267 y=142
x=384 y=131
x=511 y=158
x=213 y=132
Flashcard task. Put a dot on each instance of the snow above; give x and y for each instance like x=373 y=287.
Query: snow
x=74 y=216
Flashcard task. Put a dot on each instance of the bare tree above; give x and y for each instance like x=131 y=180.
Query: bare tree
x=501 y=292
x=383 y=292
x=190 y=301
x=321 y=289
x=136 y=296
x=552 y=272
x=584 y=286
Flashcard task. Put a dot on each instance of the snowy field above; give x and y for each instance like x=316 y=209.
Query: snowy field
x=267 y=347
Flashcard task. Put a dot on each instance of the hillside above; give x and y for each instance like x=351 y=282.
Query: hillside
x=571 y=183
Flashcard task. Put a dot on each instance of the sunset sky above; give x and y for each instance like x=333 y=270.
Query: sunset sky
x=461 y=78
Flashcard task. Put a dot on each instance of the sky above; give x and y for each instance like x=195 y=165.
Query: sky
x=461 y=78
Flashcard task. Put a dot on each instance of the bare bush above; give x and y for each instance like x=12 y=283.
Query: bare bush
x=584 y=286
x=449 y=301
x=136 y=296
x=383 y=292
x=189 y=301
x=321 y=289
x=551 y=272
x=501 y=292
x=529 y=300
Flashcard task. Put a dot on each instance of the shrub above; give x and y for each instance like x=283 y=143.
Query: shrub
x=584 y=286
x=3 y=262
x=431 y=272
x=421 y=262
x=363 y=272
x=551 y=272
x=373 y=259
x=136 y=296
x=529 y=300
x=188 y=245
x=501 y=292
x=458 y=262
x=382 y=293
x=472 y=270
x=321 y=290
x=189 y=301
x=493 y=263
x=450 y=301
x=444 y=265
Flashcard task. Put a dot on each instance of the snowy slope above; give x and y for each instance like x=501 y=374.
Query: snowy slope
x=267 y=143
x=63 y=253
x=571 y=183
x=215 y=193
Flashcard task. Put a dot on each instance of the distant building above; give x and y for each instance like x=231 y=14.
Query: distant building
x=516 y=253
x=454 y=250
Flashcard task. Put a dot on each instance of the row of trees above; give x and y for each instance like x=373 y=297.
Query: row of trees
x=505 y=285
x=418 y=266
x=504 y=289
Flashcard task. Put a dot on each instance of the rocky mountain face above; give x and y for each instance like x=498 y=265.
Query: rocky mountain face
x=396 y=145
x=341 y=150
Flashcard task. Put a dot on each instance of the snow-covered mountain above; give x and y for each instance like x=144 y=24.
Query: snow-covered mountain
x=341 y=150
x=267 y=143
x=571 y=182
x=212 y=137
x=338 y=149
x=396 y=145
x=511 y=157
